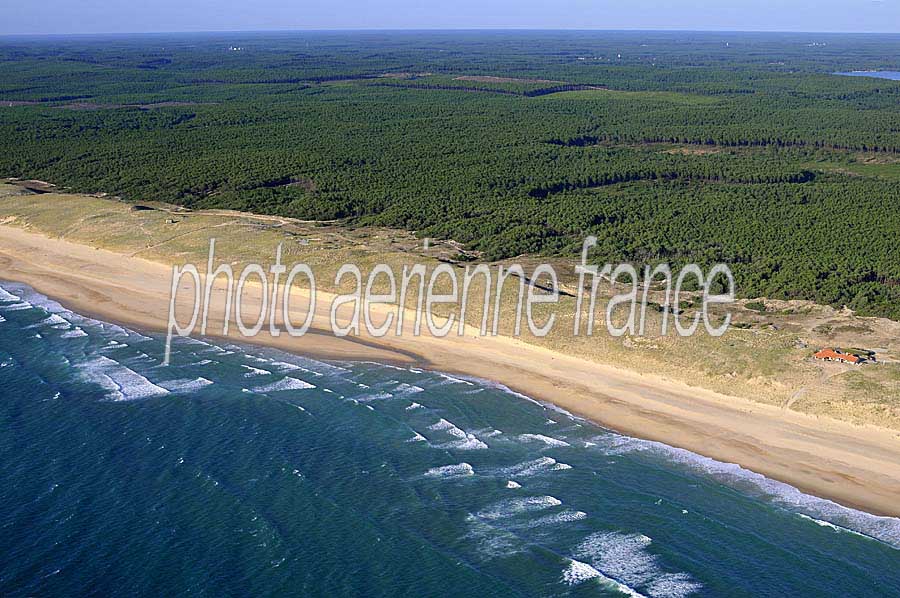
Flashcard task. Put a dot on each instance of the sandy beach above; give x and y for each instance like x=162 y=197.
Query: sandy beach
x=857 y=466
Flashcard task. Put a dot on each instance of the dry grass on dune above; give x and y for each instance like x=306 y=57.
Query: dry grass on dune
x=766 y=357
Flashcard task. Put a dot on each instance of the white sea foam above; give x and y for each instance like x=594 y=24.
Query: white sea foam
x=7 y=296
x=413 y=406
x=114 y=328
x=448 y=379
x=17 y=306
x=884 y=529
x=505 y=389
x=578 y=572
x=74 y=333
x=252 y=372
x=110 y=347
x=386 y=366
x=821 y=523
x=442 y=424
x=491 y=541
x=185 y=384
x=626 y=559
x=378 y=396
x=469 y=443
x=189 y=340
x=534 y=467
x=417 y=438
x=486 y=432
x=407 y=389
x=465 y=441
x=320 y=368
x=290 y=362
x=614 y=444
x=832 y=526
x=561 y=411
x=286 y=383
x=456 y=432
x=549 y=441
x=35 y=299
x=517 y=506
x=554 y=519
x=459 y=470
x=284 y=366
x=122 y=383
x=53 y=321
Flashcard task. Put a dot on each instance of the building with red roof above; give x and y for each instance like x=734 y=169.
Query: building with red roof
x=839 y=356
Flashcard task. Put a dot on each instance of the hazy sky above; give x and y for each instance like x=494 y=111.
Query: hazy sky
x=121 y=16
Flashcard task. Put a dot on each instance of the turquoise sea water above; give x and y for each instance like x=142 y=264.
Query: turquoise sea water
x=241 y=471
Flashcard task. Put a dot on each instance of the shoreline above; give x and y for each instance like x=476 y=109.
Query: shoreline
x=855 y=466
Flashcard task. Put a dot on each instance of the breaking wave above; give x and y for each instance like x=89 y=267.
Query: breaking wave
x=120 y=382
x=516 y=506
x=626 y=559
x=547 y=440
x=535 y=467
x=459 y=470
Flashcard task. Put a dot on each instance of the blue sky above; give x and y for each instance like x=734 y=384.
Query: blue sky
x=122 y=16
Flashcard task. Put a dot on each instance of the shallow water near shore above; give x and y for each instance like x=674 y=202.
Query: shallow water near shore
x=252 y=471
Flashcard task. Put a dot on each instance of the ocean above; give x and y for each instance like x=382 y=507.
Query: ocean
x=246 y=471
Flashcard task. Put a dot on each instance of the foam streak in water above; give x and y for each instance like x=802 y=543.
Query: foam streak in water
x=284 y=384
x=624 y=557
x=122 y=383
x=534 y=467
x=517 y=506
x=578 y=572
x=459 y=470
x=549 y=441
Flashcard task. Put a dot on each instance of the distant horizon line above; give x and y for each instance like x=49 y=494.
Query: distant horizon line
x=436 y=30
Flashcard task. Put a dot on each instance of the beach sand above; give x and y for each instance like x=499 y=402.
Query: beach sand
x=857 y=466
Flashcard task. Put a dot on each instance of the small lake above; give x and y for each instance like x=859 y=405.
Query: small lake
x=892 y=75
